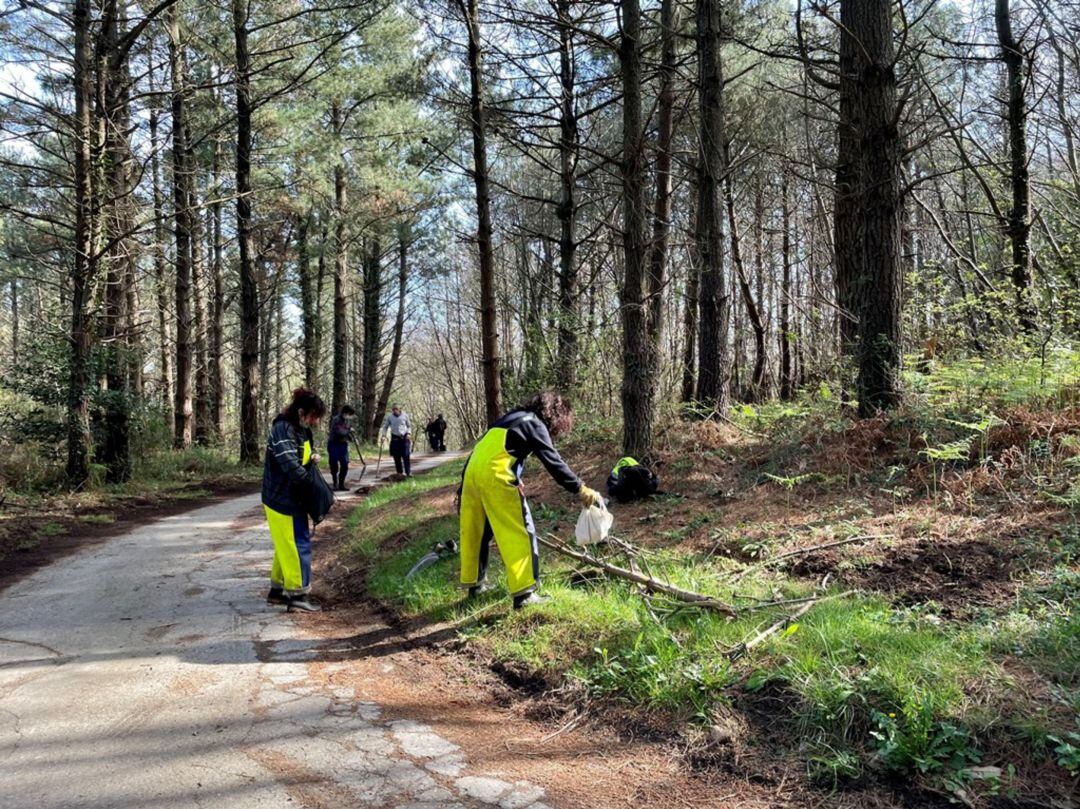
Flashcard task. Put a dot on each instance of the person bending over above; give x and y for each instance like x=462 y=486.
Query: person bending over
x=492 y=500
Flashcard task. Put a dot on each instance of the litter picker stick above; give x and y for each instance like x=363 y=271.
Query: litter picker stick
x=378 y=463
x=360 y=455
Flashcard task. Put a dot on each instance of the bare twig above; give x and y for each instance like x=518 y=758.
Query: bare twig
x=651 y=584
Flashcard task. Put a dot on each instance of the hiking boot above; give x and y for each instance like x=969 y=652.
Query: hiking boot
x=302 y=604
x=529 y=600
x=276 y=596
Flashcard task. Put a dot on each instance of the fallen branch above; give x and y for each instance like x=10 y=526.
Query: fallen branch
x=786 y=621
x=651 y=584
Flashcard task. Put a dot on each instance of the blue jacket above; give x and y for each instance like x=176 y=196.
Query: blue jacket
x=286 y=481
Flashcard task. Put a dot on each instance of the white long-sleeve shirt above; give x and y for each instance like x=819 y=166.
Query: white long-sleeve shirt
x=398 y=426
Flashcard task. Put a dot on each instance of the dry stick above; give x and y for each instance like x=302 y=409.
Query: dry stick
x=801 y=551
x=787 y=620
x=651 y=584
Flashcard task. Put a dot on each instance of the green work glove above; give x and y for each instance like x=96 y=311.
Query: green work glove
x=589 y=497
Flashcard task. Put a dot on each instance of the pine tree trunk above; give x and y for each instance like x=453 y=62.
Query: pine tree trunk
x=250 y=380
x=787 y=381
x=341 y=263
x=714 y=350
x=117 y=227
x=758 y=385
x=489 y=328
x=658 y=253
x=1016 y=117
x=161 y=283
x=182 y=178
x=638 y=384
x=82 y=276
x=372 y=346
x=308 y=312
x=878 y=287
x=14 y=286
x=320 y=285
x=567 y=350
x=217 y=318
x=202 y=352
x=399 y=326
x=846 y=242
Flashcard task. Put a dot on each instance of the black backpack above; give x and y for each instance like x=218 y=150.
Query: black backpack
x=630 y=481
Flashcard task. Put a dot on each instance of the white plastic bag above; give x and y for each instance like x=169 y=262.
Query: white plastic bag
x=593 y=525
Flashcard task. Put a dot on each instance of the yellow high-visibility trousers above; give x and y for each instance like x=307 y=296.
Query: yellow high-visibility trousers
x=492 y=506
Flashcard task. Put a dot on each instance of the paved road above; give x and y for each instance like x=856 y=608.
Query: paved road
x=147 y=672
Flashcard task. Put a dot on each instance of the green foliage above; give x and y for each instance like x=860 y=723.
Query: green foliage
x=915 y=740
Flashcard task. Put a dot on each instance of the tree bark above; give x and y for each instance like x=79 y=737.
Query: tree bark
x=639 y=383
x=84 y=267
x=567 y=350
x=217 y=317
x=249 y=287
x=399 y=326
x=658 y=253
x=202 y=351
x=758 y=389
x=1016 y=116
x=161 y=284
x=14 y=286
x=787 y=379
x=714 y=350
x=879 y=284
x=372 y=345
x=846 y=245
x=114 y=113
x=182 y=179
x=341 y=263
x=489 y=330
x=308 y=313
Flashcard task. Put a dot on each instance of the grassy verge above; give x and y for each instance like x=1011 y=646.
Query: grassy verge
x=972 y=698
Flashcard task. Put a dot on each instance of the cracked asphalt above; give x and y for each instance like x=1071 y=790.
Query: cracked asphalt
x=148 y=672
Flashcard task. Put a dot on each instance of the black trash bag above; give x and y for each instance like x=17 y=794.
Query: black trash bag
x=630 y=481
x=317 y=497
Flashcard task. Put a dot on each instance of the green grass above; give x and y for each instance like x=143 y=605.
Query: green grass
x=97 y=519
x=845 y=660
x=858 y=684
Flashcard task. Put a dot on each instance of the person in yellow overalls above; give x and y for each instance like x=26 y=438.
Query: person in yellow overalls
x=493 y=497
x=289 y=468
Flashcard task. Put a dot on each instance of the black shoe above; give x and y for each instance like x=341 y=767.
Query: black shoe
x=529 y=600
x=276 y=596
x=477 y=589
x=301 y=604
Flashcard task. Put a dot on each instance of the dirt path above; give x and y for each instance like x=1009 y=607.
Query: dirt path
x=148 y=672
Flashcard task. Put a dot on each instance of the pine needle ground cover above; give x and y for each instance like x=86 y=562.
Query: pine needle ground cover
x=941 y=547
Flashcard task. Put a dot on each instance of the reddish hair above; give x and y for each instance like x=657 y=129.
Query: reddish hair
x=307 y=400
x=553 y=409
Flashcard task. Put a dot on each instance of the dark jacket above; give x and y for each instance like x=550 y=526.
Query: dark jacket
x=285 y=479
x=527 y=435
x=340 y=432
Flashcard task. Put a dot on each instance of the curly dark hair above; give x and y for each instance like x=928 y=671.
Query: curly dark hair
x=553 y=409
x=307 y=400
